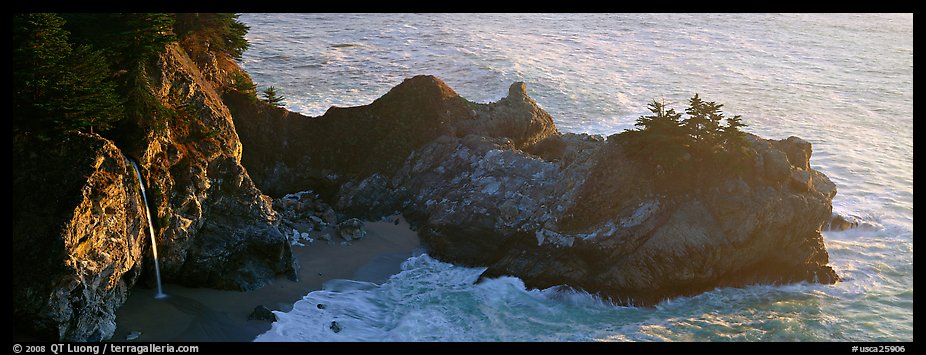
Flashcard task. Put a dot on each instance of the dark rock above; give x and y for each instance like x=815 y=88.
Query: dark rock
x=320 y=306
x=777 y=167
x=335 y=327
x=214 y=227
x=495 y=185
x=263 y=314
x=412 y=114
x=300 y=212
x=840 y=223
x=351 y=229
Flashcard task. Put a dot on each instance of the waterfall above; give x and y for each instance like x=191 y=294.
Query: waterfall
x=154 y=244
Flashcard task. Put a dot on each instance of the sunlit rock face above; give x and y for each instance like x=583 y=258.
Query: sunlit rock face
x=79 y=237
x=80 y=229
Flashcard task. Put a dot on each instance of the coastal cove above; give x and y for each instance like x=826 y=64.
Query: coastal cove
x=441 y=177
x=200 y=314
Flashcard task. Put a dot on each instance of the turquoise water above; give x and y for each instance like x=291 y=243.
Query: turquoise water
x=844 y=82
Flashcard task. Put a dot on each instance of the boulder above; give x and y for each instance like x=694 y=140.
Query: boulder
x=351 y=229
x=262 y=313
x=840 y=223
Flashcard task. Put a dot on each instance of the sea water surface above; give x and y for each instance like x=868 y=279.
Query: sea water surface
x=844 y=82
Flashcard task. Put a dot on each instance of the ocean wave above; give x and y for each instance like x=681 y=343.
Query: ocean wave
x=827 y=78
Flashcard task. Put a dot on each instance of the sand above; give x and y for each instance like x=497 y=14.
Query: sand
x=201 y=314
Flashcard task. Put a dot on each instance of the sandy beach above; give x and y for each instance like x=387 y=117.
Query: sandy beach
x=200 y=314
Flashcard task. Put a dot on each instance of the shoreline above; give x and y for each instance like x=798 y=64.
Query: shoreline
x=202 y=314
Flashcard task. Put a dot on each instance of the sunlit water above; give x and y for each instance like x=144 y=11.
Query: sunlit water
x=844 y=82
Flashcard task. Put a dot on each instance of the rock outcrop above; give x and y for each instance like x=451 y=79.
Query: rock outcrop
x=496 y=185
x=215 y=228
x=79 y=237
x=79 y=223
x=288 y=152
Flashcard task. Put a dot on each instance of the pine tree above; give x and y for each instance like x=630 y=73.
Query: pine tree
x=665 y=122
x=222 y=31
x=270 y=95
x=57 y=87
x=697 y=124
x=731 y=134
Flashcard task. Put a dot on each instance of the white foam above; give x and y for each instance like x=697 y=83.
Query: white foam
x=841 y=81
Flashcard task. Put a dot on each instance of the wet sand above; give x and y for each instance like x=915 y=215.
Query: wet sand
x=200 y=314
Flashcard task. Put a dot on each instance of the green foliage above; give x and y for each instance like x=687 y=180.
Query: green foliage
x=703 y=122
x=685 y=151
x=243 y=84
x=89 y=71
x=59 y=87
x=271 y=96
x=126 y=38
x=662 y=122
x=662 y=135
x=142 y=106
x=216 y=31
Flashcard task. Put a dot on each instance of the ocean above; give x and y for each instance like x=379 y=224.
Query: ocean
x=843 y=82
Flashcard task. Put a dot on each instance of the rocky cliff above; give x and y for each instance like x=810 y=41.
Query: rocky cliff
x=79 y=228
x=79 y=237
x=496 y=185
x=215 y=228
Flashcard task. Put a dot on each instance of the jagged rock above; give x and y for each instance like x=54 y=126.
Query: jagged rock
x=325 y=236
x=335 y=327
x=412 y=114
x=263 y=314
x=79 y=236
x=215 y=228
x=798 y=152
x=351 y=229
x=495 y=185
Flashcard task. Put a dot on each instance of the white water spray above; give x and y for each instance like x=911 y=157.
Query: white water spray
x=154 y=244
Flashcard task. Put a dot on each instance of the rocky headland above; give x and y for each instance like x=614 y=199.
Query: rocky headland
x=497 y=185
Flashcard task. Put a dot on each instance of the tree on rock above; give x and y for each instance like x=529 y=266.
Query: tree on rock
x=685 y=151
x=271 y=96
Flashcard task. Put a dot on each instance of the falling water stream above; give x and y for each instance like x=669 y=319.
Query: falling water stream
x=154 y=244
